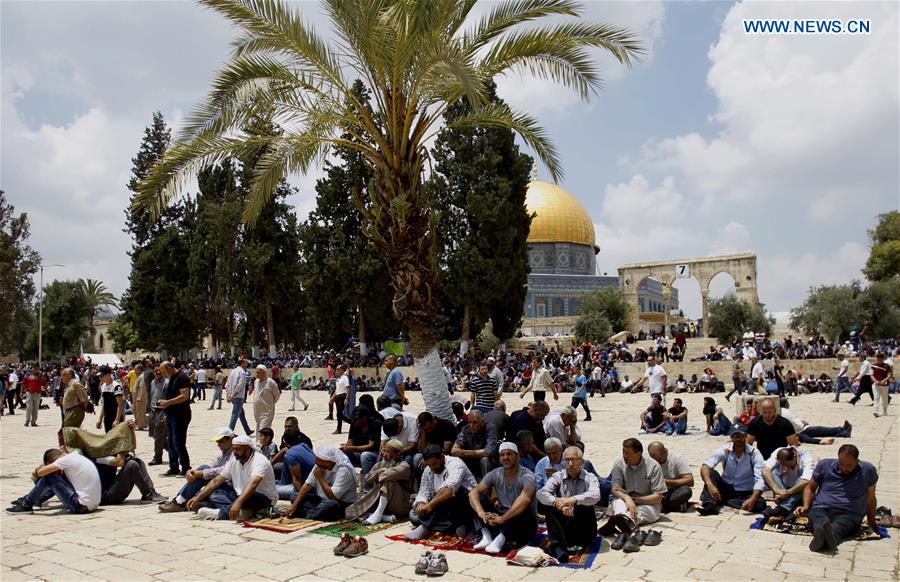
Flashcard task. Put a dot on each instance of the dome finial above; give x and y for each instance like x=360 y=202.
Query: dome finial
x=534 y=170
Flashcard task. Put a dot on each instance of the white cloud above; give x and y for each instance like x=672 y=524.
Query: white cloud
x=786 y=275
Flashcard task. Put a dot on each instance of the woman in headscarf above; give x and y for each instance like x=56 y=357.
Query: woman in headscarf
x=329 y=489
x=391 y=485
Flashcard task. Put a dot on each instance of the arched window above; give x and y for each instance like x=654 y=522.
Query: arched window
x=558 y=308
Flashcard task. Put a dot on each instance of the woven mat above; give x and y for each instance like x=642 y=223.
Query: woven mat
x=802 y=527
x=282 y=524
x=444 y=542
x=354 y=528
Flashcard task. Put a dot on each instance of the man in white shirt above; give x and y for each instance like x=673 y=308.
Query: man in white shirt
x=655 y=377
x=442 y=502
x=235 y=393
x=786 y=473
x=757 y=375
x=252 y=484
x=865 y=380
x=341 y=390
x=71 y=477
x=842 y=380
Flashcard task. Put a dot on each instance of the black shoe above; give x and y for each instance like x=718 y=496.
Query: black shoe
x=153 y=497
x=823 y=539
x=632 y=544
x=587 y=418
x=708 y=510
x=560 y=553
x=154 y=462
x=618 y=542
x=653 y=538
x=849 y=428
x=171 y=473
x=19 y=508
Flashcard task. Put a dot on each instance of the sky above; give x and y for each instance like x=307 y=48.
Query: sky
x=716 y=142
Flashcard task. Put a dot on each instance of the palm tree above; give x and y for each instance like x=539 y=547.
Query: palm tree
x=416 y=57
x=96 y=294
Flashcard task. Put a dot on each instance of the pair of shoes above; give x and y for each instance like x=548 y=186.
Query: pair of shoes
x=823 y=539
x=422 y=564
x=342 y=545
x=154 y=462
x=152 y=497
x=19 y=507
x=355 y=547
x=172 y=507
x=436 y=566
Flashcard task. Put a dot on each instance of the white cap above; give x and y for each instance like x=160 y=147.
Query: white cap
x=261 y=367
x=223 y=432
x=508 y=446
x=242 y=440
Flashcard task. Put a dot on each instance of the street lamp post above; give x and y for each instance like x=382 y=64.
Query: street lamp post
x=41 y=315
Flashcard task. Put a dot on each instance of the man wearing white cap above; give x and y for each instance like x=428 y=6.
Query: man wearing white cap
x=265 y=394
x=199 y=477
x=252 y=484
x=513 y=520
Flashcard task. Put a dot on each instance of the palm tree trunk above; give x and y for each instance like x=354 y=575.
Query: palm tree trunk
x=466 y=330
x=270 y=329
x=363 y=349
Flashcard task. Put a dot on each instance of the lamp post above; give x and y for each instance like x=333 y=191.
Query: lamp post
x=41 y=315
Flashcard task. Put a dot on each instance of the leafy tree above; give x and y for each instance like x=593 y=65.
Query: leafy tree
x=730 y=317
x=479 y=187
x=18 y=265
x=67 y=320
x=144 y=227
x=123 y=336
x=592 y=326
x=417 y=58
x=611 y=303
x=881 y=304
x=96 y=294
x=835 y=310
x=884 y=258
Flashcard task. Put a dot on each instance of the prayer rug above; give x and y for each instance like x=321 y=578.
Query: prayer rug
x=282 y=524
x=801 y=526
x=445 y=542
x=354 y=528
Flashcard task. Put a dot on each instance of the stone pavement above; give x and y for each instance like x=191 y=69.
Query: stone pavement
x=136 y=542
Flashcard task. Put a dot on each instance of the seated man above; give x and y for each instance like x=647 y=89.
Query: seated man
x=512 y=519
x=741 y=484
x=120 y=474
x=840 y=493
x=531 y=419
x=299 y=461
x=653 y=419
x=637 y=487
x=769 y=430
x=404 y=428
x=501 y=421
x=528 y=453
x=251 y=488
x=676 y=418
x=681 y=384
x=390 y=483
x=553 y=462
x=433 y=431
x=442 y=503
x=717 y=422
x=202 y=475
x=786 y=473
x=677 y=474
x=812 y=435
x=625 y=385
x=477 y=445
x=567 y=501
x=72 y=477
x=329 y=489
x=562 y=425
x=363 y=437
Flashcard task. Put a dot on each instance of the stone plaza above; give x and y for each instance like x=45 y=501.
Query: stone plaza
x=136 y=542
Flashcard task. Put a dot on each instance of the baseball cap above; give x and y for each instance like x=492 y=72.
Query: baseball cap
x=104 y=370
x=739 y=428
x=223 y=432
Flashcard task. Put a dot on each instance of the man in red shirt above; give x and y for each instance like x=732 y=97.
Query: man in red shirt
x=33 y=384
x=883 y=376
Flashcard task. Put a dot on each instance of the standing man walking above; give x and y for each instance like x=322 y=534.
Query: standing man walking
x=884 y=377
x=74 y=399
x=296 y=381
x=865 y=380
x=656 y=378
x=158 y=428
x=341 y=389
x=235 y=393
x=140 y=395
x=112 y=403
x=541 y=381
x=33 y=383
x=266 y=394
x=178 y=417
x=842 y=380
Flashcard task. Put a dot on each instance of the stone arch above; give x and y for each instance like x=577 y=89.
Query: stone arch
x=742 y=269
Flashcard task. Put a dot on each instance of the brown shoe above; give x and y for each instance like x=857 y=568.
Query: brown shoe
x=357 y=547
x=342 y=545
x=171 y=507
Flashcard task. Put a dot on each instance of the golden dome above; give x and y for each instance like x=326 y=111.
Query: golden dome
x=560 y=217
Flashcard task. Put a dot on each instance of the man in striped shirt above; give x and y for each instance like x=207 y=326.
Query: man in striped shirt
x=484 y=390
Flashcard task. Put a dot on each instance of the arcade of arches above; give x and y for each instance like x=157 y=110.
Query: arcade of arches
x=742 y=269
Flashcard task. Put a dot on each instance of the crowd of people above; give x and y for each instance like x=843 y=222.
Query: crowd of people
x=490 y=471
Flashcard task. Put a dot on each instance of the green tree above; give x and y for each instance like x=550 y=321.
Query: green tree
x=144 y=227
x=835 y=310
x=730 y=317
x=416 y=58
x=96 y=294
x=67 y=320
x=592 y=326
x=479 y=187
x=18 y=265
x=611 y=303
x=881 y=305
x=884 y=258
x=123 y=336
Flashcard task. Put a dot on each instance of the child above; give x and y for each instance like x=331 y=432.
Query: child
x=266 y=446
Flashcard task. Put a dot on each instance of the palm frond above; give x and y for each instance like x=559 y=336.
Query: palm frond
x=506 y=15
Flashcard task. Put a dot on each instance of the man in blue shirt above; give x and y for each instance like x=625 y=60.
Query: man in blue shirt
x=393 y=384
x=299 y=461
x=837 y=497
x=580 y=395
x=740 y=485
